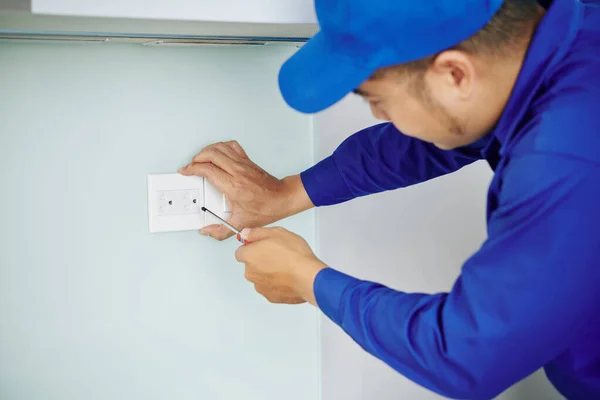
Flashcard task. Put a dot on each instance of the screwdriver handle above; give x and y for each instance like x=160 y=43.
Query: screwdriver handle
x=241 y=239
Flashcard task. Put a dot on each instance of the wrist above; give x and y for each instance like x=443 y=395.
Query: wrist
x=304 y=279
x=293 y=197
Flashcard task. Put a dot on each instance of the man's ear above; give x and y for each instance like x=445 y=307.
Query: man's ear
x=455 y=71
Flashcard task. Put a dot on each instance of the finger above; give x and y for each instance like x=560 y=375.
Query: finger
x=222 y=147
x=257 y=234
x=264 y=290
x=240 y=256
x=247 y=274
x=207 y=150
x=218 y=232
x=218 y=155
x=214 y=174
x=237 y=148
x=228 y=149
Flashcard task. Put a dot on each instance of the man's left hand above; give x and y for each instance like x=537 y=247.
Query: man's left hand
x=280 y=264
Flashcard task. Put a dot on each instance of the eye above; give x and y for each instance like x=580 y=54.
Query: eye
x=370 y=101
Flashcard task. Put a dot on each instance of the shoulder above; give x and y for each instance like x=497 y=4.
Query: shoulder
x=564 y=119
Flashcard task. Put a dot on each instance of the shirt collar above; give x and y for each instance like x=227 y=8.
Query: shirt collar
x=552 y=39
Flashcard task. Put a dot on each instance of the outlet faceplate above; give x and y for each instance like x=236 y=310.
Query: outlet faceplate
x=175 y=202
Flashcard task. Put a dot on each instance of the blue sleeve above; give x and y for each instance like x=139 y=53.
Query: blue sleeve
x=377 y=159
x=518 y=303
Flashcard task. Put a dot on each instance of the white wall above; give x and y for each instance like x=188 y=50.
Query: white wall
x=91 y=305
x=263 y=11
x=425 y=234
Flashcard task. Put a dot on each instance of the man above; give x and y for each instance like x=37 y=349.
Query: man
x=514 y=82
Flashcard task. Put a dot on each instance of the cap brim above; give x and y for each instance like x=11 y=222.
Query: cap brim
x=315 y=78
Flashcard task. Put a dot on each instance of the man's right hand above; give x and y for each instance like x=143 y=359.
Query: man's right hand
x=257 y=198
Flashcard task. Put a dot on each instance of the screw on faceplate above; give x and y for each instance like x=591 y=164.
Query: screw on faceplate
x=194 y=201
x=170 y=202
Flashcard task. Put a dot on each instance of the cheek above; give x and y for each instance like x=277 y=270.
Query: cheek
x=411 y=118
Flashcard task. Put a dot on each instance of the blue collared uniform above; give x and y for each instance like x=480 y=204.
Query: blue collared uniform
x=530 y=296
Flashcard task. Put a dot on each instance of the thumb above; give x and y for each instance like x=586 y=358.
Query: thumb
x=255 y=234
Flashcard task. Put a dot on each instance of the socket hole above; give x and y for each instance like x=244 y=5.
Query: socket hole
x=194 y=201
x=170 y=202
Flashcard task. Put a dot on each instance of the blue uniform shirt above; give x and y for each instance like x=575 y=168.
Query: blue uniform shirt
x=530 y=296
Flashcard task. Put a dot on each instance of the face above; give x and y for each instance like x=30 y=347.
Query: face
x=455 y=102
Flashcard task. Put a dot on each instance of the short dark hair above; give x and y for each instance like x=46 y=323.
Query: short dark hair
x=507 y=29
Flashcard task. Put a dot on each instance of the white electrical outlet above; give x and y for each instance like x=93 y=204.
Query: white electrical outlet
x=178 y=202
x=175 y=203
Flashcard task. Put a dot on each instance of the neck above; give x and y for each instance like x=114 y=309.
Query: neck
x=507 y=68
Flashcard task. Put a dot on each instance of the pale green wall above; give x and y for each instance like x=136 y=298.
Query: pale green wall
x=91 y=305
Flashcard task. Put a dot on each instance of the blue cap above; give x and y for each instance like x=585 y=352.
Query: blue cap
x=358 y=37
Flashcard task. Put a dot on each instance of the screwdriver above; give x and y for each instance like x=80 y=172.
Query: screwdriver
x=238 y=234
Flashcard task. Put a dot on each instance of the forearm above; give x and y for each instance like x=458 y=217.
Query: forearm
x=380 y=320
x=293 y=198
x=377 y=159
